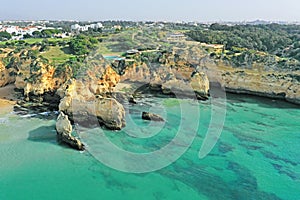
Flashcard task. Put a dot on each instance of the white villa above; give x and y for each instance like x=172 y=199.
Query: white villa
x=77 y=27
x=18 y=32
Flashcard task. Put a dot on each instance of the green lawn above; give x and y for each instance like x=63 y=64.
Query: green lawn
x=104 y=49
x=57 y=55
x=37 y=40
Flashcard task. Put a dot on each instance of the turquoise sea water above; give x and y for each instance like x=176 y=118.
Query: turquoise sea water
x=256 y=157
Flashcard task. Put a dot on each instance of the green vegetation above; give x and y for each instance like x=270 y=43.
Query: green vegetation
x=5 y=36
x=82 y=44
x=57 y=55
x=273 y=45
x=273 y=38
x=47 y=33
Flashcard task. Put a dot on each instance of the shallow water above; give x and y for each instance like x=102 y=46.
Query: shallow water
x=256 y=156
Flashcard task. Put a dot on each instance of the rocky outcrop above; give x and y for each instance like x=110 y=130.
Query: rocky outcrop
x=103 y=111
x=256 y=80
x=270 y=84
x=64 y=130
x=40 y=80
x=90 y=99
x=169 y=76
x=105 y=82
x=152 y=117
x=87 y=105
x=32 y=74
x=196 y=86
x=7 y=76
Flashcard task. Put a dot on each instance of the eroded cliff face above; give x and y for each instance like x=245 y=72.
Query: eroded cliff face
x=106 y=83
x=85 y=100
x=270 y=84
x=37 y=78
x=256 y=80
x=169 y=74
x=7 y=76
x=88 y=99
x=34 y=75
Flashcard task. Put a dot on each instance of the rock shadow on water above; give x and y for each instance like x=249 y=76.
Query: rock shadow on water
x=45 y=134
x=265 y=102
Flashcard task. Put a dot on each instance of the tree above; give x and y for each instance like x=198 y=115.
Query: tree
x=37 y=34
x=82 y=44
x=5 y=36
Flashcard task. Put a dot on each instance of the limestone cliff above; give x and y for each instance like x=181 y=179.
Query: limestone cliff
x=7 y=75
x=85 y=108
x=255 y=80
x=37 y=77
x=89 y=99
x=169 y=74
x=85 y=99
x=34 y=75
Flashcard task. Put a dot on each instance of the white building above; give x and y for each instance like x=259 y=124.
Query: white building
x=12 y=29
x=77 y=27
x=19 y=32
x=99 y=25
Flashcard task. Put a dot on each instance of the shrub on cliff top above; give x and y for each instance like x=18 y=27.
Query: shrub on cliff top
x=82 y=44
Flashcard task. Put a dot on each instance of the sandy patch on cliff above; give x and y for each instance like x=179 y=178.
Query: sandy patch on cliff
x=7 y=99
x=123 y=87
x=129 y=87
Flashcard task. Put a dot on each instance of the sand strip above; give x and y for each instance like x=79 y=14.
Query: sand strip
x=7 y=99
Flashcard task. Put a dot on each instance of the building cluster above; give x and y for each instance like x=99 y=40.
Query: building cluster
x=18 y=32
x=77 y=27
x=171 y=37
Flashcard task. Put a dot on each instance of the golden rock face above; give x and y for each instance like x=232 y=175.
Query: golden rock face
x=6 y=75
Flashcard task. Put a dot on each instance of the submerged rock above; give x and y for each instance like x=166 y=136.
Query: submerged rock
x=152 y=117
x=132 y=100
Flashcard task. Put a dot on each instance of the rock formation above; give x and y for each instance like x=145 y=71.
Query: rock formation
x=103 y=111
x=86 y=102
x=89 y=98
x=168 y=75
x=64 y=130
x=152 y=117
x=7 y=76
x=257 y=80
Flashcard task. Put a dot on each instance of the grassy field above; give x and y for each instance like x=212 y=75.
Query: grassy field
x=104 y=49
x=57 y=55
x=37 y=40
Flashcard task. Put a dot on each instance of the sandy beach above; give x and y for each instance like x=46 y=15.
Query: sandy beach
x=7 y=99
